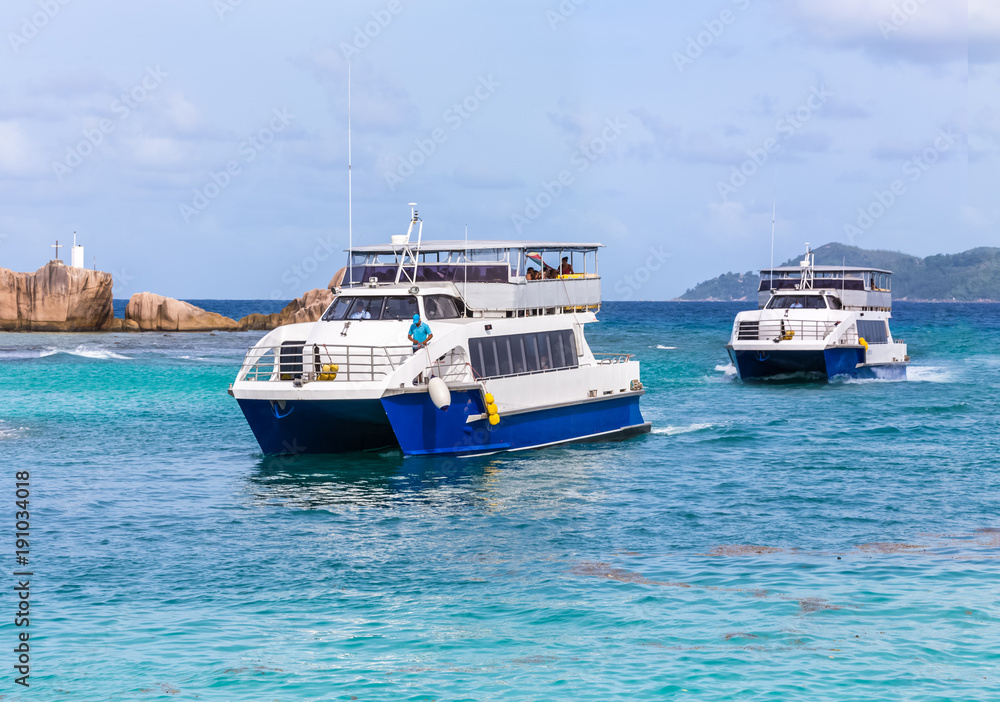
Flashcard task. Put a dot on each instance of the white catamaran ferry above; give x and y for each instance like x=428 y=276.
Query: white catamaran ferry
x=822 y=321
x=508 y=366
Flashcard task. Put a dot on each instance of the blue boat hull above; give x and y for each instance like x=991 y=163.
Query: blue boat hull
x=310 y=426
x=821 y=364
x=412 y=423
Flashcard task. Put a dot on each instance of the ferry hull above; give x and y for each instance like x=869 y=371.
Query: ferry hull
x=422 y=429
x=318 y=426
x=413 y=424
x=822 y=364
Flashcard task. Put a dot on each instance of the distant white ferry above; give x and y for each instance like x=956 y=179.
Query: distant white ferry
x=821 y=321
x=508 y=366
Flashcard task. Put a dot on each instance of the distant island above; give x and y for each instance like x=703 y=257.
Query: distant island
x=971 y=276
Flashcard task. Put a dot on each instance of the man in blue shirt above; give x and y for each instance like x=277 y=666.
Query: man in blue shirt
x=420 y=334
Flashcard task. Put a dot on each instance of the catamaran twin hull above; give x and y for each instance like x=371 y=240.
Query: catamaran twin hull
x=822 y=364
x=412 y=423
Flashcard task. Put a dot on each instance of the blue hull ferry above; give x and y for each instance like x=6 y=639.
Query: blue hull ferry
x=508 y=366
x=819 y=322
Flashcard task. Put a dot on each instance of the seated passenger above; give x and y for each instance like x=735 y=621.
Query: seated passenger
x=551 y=274
x=566 y=268
x=532 y=274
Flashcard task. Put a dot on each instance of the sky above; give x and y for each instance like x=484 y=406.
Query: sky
x=199 y=148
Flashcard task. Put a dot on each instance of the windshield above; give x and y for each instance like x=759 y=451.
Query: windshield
x=402 y=307
x=810 y=302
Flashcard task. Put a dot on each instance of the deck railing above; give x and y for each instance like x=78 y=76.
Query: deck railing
x=309 y=362
x=791 y=330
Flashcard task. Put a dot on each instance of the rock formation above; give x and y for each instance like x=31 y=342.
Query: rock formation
x=157 y=313
x=307 y=308
x=56 y=298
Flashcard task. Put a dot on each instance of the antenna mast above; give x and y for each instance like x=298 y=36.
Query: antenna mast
x=350 y=199
x=774 y=210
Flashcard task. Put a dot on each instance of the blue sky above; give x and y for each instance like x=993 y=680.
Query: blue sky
x=199 y=147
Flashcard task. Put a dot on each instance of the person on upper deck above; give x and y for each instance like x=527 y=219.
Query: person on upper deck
x=532 y=274
x=566 y=268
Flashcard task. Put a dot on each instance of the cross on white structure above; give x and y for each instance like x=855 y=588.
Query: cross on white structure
x=57 y=246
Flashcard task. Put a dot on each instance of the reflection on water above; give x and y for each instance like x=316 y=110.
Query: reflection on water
x=385 y=479
x=548 y=481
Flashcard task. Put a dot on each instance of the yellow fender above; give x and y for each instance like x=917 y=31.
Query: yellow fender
x=861 y=340
x=491 y=409
x=329 y=371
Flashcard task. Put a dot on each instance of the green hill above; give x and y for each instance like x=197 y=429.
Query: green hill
x=965 y=277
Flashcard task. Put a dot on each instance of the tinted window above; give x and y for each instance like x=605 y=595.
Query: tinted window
x=812 y=302
x=523 y=353
x=517 y=353
x=440 y=307
x=834 y=303
x=490 y=365
x=338 y=310
x=531 y=351
x=873 y=331
x=558 y=353
x=503 y=355
x=399 y=308
x=366 y=308
x=545 y=351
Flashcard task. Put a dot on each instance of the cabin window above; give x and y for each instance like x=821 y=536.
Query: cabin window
x=441 y=307
x=338 y=310
x=400 y=308
x=366 y=308
x=523 y=353
x=874 y=331
x=809 y=302
x=834 y=303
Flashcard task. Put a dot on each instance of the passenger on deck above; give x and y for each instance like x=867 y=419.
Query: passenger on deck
x=532 y=274
x=551 y=274
x=566 y=268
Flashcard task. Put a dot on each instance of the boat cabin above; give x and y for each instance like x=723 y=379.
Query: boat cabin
x=825 y=287
x=490 y=278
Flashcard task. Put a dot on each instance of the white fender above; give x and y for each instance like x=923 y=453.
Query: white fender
x=440 y=394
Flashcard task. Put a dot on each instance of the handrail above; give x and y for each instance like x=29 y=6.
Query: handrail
x=306 y=363
x=785 y=330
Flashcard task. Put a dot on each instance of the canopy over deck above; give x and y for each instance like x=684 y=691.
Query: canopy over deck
x=476 y=245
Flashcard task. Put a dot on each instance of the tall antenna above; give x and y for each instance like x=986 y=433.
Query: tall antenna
x=465 y=287
x=774 y=210
x=350 y=199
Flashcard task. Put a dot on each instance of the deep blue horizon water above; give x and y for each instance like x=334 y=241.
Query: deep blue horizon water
x=792 y=542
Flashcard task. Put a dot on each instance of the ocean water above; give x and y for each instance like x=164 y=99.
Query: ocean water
x=786 y=542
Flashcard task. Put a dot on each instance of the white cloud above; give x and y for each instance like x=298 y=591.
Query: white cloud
x=924 y=31
x=15 y=150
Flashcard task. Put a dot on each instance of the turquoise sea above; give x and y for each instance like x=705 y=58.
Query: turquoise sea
x=780 y=542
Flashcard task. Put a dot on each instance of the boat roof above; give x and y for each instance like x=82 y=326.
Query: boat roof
x=825 y=269
x=472 y=245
